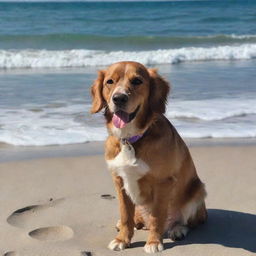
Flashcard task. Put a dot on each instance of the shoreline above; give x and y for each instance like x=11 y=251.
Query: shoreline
x=11 y=153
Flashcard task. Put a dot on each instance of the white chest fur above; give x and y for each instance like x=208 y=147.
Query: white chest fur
x=131 y=169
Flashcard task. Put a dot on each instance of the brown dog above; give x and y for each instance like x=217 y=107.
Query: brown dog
x=155 y=177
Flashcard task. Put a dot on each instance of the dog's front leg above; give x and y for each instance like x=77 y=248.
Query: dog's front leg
x=127 y=209
x=157 y=218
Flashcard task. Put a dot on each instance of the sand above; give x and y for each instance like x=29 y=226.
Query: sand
x=54 y=207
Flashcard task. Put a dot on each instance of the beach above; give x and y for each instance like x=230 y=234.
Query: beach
x=57 y=197
x=54 y=205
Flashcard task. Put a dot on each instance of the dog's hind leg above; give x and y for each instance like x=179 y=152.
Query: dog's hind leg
x=192 y=215
x=178 y=232
x=199 y=218
x=138 y=219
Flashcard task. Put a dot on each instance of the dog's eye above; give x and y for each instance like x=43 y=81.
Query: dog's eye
x=136 y=81
x=110 y=81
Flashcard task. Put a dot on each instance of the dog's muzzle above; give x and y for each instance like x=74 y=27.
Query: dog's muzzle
x=120 y=99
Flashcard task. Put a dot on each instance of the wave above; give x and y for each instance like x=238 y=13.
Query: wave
x=89 y=134
x=67 y=41
x=48 y=125
x=11 y=59
x=58 y=123
x=211 y=110
x=219 y=131
x=234 y=36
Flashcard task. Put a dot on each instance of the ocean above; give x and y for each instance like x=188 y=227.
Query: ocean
x=50 y=53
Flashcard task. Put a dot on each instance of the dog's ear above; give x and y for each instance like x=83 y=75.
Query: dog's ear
x=159 y=89
x=96 y=92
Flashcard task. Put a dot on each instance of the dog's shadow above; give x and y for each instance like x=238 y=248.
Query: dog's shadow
x=228 y=228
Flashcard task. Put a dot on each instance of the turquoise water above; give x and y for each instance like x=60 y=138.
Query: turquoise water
x=80 y=34
x=50 y=53
x=124 y=25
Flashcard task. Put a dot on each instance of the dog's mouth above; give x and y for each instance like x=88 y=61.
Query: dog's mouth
x=121 y=118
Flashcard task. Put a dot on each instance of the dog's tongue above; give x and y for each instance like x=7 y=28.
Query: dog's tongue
x=120 y=119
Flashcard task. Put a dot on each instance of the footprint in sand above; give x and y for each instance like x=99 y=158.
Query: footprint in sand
x=56 y=233
x=30 y=216
x=11 y=253
x=23 y=217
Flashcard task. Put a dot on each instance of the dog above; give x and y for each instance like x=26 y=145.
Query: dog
x=154 y=175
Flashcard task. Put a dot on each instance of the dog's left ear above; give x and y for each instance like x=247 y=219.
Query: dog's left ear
x=159 y=90
x=96 y=92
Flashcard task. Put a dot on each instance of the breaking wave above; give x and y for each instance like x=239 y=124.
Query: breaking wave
x=29 y=59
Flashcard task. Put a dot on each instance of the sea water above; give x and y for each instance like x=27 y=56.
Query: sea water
x=50 y=53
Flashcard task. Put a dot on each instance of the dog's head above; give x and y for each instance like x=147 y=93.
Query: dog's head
x=129 y=93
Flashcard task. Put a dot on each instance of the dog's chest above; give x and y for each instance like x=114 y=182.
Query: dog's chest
x=131 y=169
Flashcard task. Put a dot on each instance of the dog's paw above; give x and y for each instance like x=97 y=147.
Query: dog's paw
x=153 y=247
x=178 y=232
x=139 y=226
x=118 y=245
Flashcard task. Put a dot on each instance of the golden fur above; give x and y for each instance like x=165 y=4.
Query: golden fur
x=170 y=195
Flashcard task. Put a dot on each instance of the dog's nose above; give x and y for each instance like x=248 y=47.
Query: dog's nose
x=120 y=99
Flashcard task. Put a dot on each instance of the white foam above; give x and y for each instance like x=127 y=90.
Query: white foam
x=241 y=36
x=47 y=127
x=212 y=109
x=57 y=124
x=216 y=130
x=214 y=118
x=10 y=59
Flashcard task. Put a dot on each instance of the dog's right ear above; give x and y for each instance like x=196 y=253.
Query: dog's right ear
x=96 y=92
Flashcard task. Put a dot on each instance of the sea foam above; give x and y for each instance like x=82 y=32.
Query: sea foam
x=38 y=125
x=11 y=59
x=211 y=109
